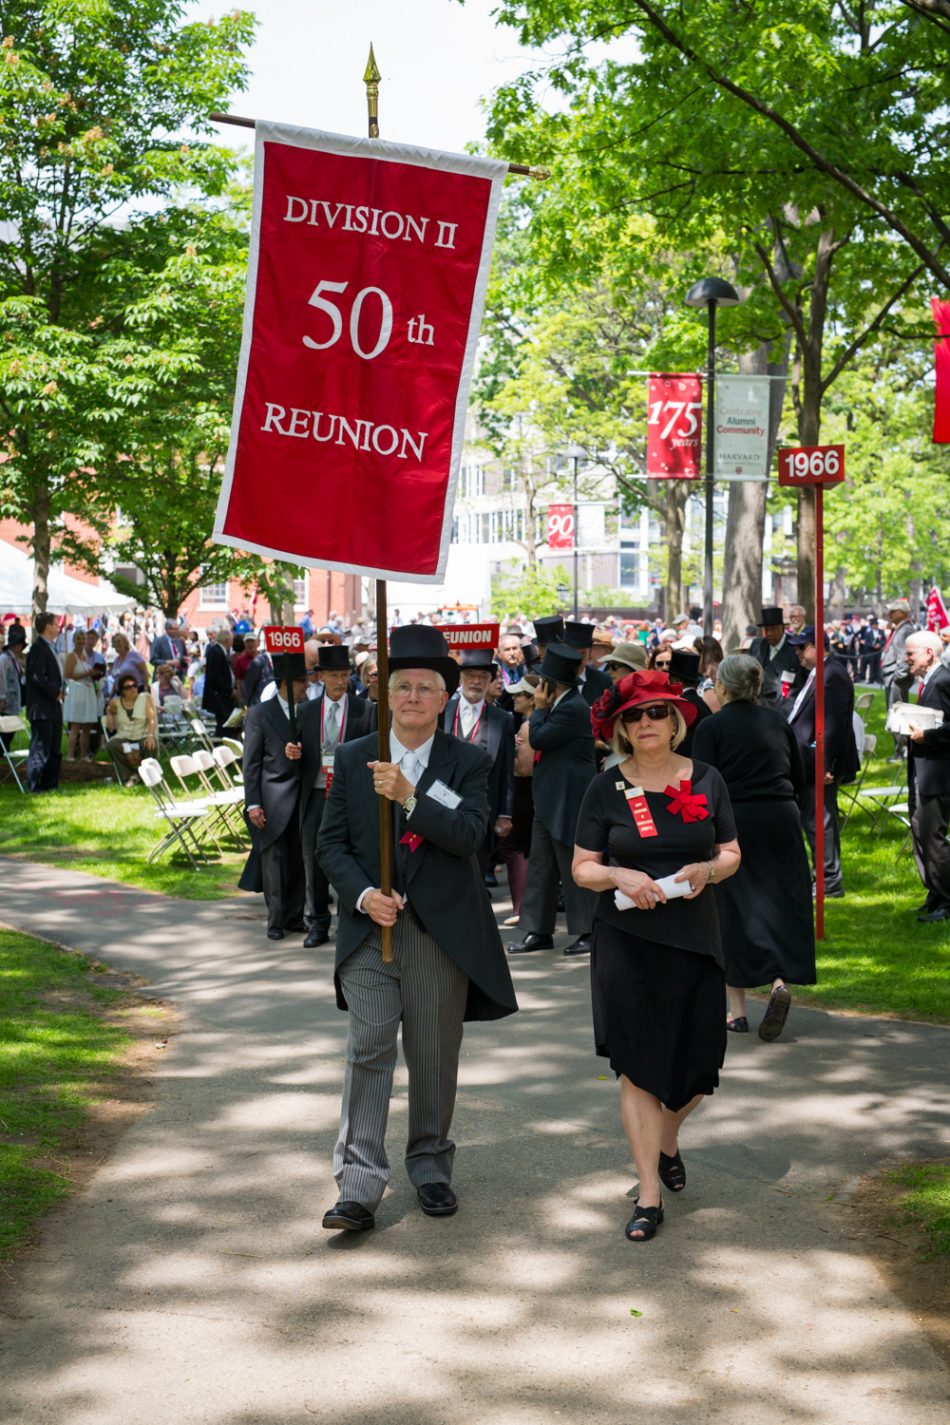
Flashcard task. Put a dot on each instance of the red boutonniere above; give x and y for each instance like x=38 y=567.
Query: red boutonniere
x=690 y=805
x=411 y=840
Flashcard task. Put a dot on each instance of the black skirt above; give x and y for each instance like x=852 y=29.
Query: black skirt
x=765 y=909
x=659 y=1014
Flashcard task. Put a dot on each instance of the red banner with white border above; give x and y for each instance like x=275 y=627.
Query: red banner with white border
x=941 y=311
x=366 y=282
x=470 y=637
x=278 y=639
x=674 y=427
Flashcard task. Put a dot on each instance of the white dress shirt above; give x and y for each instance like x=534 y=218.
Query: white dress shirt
x=412 y=764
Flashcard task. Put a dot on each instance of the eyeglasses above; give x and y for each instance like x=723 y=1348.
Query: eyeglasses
x=424 y=690
x=656 y=712
x=662 y=663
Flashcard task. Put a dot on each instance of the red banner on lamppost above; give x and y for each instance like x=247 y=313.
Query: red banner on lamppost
x=366 y=282
x=941 y=311
x=560 y=526
x=674 y=427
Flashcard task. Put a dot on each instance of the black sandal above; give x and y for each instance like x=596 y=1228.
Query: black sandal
x=645 y=1220
x=672 y=1171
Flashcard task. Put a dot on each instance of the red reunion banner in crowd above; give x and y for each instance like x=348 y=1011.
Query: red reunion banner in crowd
x=674 y=427
x=937 y=616
x=941 y=311
x=366 y=282
x=470 y=637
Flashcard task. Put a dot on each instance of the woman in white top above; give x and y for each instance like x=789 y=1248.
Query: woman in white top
x=80 y=707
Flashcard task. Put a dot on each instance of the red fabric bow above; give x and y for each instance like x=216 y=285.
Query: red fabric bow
x=690 y=805
x=411 y=840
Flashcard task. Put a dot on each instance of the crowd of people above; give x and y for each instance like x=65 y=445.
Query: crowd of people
x=634 y=777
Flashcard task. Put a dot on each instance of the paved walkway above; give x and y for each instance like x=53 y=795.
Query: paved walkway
x=191 y=1282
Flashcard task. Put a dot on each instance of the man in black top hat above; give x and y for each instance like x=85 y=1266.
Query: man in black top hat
x=591 y=681
x=271 y=792
x=336 y=716
x=468 y=715
x=777 y=656
x=841 y=752
x=560 y=733
x=448 y=962
x=684 y=667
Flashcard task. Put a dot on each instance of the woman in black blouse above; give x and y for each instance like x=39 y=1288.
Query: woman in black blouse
x=656 y=969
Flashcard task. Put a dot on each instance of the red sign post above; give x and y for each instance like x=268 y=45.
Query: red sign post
x=818 y=466
x=280 y=641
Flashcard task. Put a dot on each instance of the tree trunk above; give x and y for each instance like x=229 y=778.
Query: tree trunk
x=745 y=520
x=677 y=493
x=42 y=539
x=837 y=594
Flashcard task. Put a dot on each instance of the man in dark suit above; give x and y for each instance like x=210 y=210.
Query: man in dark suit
x=218 y=697
x=448 y=963
x=258 y=674
x=169 y=647
x=271 y=794
x=841 y=752
x=591 y=681
x=324 y=723
x=469 y=716
x=929 y=776
x=778 y=655
x=44 y=707
x=560 y=733
x=684 y=667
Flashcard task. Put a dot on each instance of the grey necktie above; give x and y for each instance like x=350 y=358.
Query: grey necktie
x=411 y=768
x=331 y=727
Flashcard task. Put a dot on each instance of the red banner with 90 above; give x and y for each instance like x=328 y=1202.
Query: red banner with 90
x=674 y=427
x=366 y=283
x=283 y=640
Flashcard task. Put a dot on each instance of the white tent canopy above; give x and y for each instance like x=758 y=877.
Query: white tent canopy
x=66 y=594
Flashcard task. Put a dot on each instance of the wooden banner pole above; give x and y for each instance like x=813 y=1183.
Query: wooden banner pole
x=371 y=79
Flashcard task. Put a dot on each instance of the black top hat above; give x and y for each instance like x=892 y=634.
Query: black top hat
x=579 y=635
x=16 y=635
x=416 y=645
x=562 y=664
x=684 y=665
x=549 y=629
x=289 y=666
x=477 y=659
x=771 y=617
x=333 y=658
x=532 y=657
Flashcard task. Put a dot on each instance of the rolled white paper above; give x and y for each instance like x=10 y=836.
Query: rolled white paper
x=669 y=885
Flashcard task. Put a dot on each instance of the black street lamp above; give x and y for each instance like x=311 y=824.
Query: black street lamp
x=576 y=453
x=710 y=292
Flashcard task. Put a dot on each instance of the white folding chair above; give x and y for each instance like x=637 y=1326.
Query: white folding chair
x=228 y=766
x=236 y=747
x=11 y=760
x=198 y=729
x=853 y=791
x=228 y=798
x=194 y=784
x=881 y=798
x=862 y=703
x=172 y=726
x=900 y=811
x=182 y=818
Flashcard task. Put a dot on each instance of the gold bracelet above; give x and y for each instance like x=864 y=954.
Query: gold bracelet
x=712 y=872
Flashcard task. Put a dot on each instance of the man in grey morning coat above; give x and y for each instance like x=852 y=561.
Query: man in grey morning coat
x=448 y=962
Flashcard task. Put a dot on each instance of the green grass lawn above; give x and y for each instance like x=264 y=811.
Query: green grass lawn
x=875 y=957
x=57 y=1056
x=99 y=828
x=927 y=1201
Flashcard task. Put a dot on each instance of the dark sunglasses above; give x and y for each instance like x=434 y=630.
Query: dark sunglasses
x=656 y=712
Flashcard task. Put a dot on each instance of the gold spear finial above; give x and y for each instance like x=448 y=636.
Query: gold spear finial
x=371 y=79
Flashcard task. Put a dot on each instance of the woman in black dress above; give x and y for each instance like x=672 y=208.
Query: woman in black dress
x=656 y=969
x=768 y=933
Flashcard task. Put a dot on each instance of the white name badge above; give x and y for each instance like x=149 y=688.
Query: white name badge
x=443 y=795
x=327 y=761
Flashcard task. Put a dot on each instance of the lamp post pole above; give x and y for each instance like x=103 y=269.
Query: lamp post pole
x=710 y=483
x=576 y=531
x=710 y=292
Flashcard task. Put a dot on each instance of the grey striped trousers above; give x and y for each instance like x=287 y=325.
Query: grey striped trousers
x=427 y=991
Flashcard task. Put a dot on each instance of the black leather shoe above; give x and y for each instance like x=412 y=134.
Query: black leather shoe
x=581 y=946
x=491 y=879
x=275 y=934
x=437 y=1199
x=531 y=942
x=316 y=936
x=929 y=916
x=348 y=1217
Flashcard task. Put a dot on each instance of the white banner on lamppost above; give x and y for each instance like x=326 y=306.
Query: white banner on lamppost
x=742 y=428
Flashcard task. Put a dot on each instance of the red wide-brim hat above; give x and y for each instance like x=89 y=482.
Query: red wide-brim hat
x=649 y=685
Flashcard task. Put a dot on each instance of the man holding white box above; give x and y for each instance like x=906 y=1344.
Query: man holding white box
x=929 y=775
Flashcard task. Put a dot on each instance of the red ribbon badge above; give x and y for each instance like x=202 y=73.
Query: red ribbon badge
x=690 y=805
x=411 y=840
x=642 y=816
